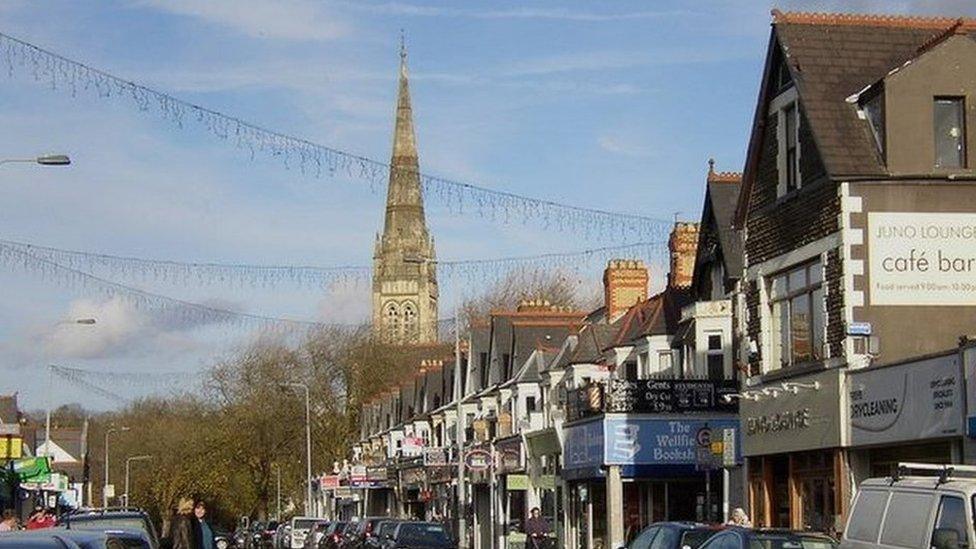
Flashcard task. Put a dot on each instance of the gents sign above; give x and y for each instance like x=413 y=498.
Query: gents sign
x=668 y=396
x=922 y=258
x=912 y=401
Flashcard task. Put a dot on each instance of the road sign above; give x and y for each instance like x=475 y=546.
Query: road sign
x=728 y=447
x=704 y=437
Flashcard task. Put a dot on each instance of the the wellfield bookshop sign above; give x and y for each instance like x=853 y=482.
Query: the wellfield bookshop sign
x=911 y=401
x=922 y=258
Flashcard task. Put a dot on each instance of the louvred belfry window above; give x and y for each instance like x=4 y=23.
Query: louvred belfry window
x=392 y=321
x=410 y=328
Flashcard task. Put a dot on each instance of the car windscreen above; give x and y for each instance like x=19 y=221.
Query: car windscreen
x=423 y=534
x=387 y=528
x=102 y=523
x=303 y=524
x=694 y=538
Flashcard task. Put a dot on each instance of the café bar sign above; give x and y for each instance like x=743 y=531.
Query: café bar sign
x=921 y=258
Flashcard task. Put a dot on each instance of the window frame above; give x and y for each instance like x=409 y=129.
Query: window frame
x=780 y=300
x=962 y=145
x=787 y=100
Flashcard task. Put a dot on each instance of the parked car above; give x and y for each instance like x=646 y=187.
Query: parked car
x=933 y=508
x=417 y=535
x=62 y=538
x=332 y=536
x=103 y=520
x=672 y=535
x=358 y=532
x=768 y=538
x=384 y=529
x=300 y=527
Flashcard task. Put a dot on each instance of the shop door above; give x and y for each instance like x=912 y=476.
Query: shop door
x=817 y=504
x=780 y=512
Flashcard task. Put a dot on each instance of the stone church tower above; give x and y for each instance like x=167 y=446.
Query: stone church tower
x=404 y=264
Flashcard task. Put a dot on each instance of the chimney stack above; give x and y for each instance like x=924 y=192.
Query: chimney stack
x=624 y=285
x=683 y=246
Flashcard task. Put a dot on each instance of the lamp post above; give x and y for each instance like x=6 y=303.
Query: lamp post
x=308 y=445
x=128 y=463
x=50 y=386
x=278 y=491
x=43 y=160
x=105 y=481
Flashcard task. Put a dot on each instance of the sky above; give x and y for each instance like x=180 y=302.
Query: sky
x=610 y=105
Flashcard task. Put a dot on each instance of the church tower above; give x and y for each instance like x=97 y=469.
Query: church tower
x=404 y=264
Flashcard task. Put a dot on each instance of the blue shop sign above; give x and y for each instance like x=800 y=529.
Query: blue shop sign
x=583 y=446
x=643 y=441
x=654 y=441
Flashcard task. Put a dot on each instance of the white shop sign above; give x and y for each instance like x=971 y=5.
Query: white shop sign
x=922 y=258
x=907 y=402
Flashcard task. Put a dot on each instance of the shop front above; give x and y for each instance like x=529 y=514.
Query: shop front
x=907 y=412
x=542 y=463
x=478 y=467
x=379 y=496
x=513 y=490
x=626 y=471
x=413 y=490
x=793 y=441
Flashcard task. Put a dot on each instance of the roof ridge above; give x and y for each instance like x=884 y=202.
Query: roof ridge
x=866 y=19
x=959 y=27
x=725 y=177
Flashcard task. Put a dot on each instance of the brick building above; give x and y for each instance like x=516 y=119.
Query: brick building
x=858 y=147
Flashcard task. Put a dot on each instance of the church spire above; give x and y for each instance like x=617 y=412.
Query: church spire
x=404 y=202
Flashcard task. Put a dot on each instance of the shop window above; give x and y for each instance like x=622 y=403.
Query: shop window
x=949 y=116
x=904 y=525
x=797 y=315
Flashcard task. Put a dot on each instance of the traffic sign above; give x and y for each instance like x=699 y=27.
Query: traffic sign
x=704 y=437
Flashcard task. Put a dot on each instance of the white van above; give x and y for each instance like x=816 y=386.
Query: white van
x=930 y=508
x=300 y=527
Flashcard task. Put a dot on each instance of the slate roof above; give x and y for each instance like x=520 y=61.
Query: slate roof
x=593 y=339
x=832 y=57
x=723 y=197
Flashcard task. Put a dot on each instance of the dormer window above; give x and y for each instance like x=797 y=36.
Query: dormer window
x=950 y=132
x=872 y=107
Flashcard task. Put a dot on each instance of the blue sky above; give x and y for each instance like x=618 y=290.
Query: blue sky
x=614 y=105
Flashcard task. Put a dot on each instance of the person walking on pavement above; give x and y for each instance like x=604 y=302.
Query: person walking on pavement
x=183 y=530
x=201 y=529
x=9 y=522
x=536 y=531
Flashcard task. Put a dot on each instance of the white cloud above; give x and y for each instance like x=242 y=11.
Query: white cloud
x=625 y=147
x=299 y=20
x=521 y=12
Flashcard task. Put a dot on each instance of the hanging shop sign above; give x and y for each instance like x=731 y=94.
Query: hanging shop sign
x=377 y=474
x=436 y=456
x=509 y=455
x=516 y=482
x=441 y=473
x=911 y=401
x=478 y=460
x=415 y=476
x=922 y=258
x=671 y=396
x=808 y=419
x=329 y=482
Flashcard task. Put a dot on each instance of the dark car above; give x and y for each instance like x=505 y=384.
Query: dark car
x=358 y=532
x=315 y=534
x=419 y=535
x=332 y=536
x=103 y=520
x=742 y=538
x=61 y=538
x=672 y=535
x=384 y=529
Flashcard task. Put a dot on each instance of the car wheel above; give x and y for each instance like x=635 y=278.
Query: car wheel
x=222 y=544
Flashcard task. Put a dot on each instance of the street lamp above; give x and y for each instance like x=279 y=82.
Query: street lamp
x=308 y=445
x=105 y=482
x=43 y=160
x=50 y=388
x=128 y=462
x=278 y=492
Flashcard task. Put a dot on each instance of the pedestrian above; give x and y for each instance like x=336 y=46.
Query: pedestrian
x=183 y=529
x=9 y=522
x=201 y=529
x=739 y=518
x=536 y=530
